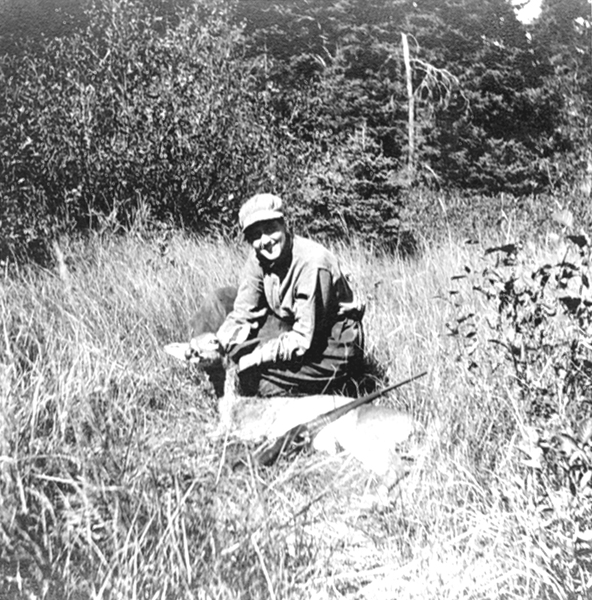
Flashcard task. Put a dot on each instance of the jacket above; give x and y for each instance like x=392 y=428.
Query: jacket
x=305 y=288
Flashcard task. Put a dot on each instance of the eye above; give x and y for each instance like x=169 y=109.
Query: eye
x=252 y=237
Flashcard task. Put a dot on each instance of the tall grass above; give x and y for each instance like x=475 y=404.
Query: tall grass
x=111 y=487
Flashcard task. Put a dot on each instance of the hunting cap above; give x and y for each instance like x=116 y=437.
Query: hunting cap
x=261 y=207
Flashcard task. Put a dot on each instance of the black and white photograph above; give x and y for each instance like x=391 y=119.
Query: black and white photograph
x=295 y=299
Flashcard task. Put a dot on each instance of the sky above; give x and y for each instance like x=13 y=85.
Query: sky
x=530 y=11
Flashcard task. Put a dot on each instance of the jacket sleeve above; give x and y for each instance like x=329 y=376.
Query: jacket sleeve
x=250 y=308
x=313 y=308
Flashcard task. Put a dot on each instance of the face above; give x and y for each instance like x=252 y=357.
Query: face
x=268 y=238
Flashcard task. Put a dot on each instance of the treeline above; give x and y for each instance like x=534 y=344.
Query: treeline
x=174 y=113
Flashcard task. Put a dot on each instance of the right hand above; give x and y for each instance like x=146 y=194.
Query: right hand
x=249 y=361
x=205 y=345
x=261 y=355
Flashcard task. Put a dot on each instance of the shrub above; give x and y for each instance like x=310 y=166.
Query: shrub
x=543 y=327
x=160 y=114
x=541 y=332
x=352 y=189
x=135 y=111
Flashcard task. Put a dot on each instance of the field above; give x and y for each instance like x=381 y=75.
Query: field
x=111 y=487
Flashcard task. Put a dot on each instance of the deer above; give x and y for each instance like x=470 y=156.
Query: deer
x=329 y=423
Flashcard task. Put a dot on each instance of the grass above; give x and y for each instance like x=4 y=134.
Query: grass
x=111 y=488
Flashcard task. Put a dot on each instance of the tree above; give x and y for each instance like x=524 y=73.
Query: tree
x=563 y=35
x=333 y=67
x=327 y=69
x=493 y=136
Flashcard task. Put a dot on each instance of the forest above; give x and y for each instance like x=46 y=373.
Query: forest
x=352 y=110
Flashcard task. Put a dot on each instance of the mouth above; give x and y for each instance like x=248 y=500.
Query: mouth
x=270 y=250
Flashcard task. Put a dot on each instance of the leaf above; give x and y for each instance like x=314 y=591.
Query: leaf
x=452 y=330
x=581 y=241
x=465 y=318
x=571 y=303
x=568 y=266
x=506 y=249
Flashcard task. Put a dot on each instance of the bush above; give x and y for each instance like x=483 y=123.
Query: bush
x=541 y=331
x=135 y=111
x=160 y=114
x=351 y=189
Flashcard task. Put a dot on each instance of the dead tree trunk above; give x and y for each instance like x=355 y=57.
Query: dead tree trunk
x=411 y=110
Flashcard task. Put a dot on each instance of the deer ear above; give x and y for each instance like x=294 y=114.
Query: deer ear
x=178 y=350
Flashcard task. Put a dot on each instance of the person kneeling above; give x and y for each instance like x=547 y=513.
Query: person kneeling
x=298 y=286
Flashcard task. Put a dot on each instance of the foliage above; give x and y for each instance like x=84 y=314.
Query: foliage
x=111 y=486
x=340 y=58
x=494 y=134
x=31 y=24
x=496 y=130
x=136 y=114
x=563 y=35
x=541 y=332
x=167 y=119
x=325 y=69
x=543 y=326
x=352 y=189
x=175 y=113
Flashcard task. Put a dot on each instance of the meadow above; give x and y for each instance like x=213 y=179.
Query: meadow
x=110 y=486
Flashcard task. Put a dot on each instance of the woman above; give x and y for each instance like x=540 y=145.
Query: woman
x=299 y=283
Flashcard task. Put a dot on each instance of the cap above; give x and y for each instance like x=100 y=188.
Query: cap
x=261 y=207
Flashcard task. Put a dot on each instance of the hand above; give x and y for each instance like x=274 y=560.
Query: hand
x=205 y=346
x=261 y=355
x=249 y=361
